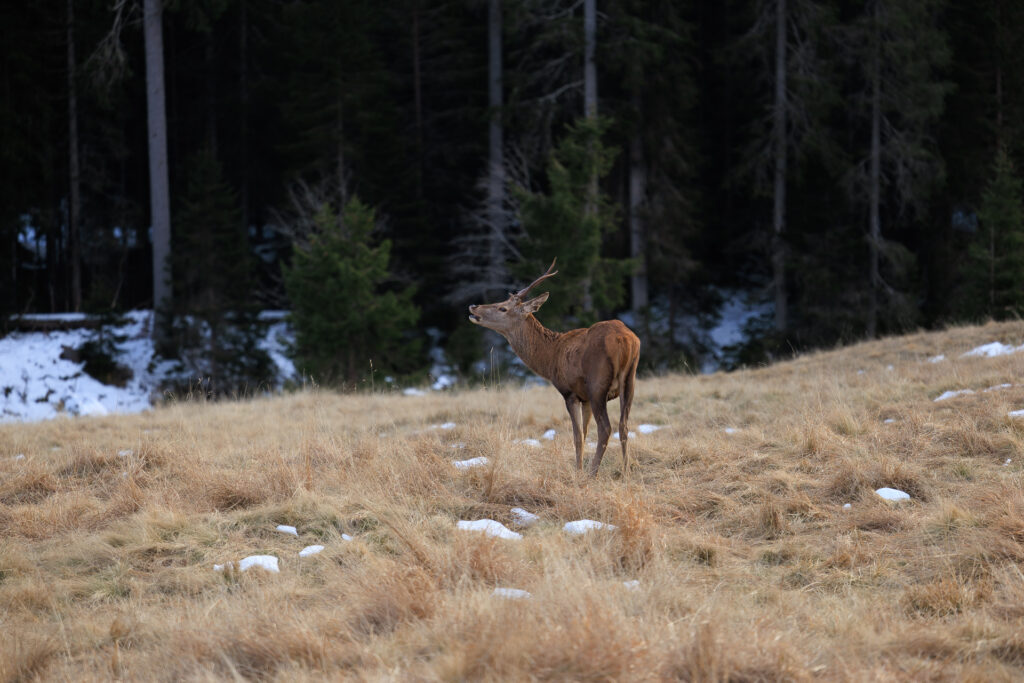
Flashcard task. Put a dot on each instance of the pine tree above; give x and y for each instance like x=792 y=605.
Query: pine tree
x=995 y=268
x=569 y=222
x=347 y=321
x=212 y=267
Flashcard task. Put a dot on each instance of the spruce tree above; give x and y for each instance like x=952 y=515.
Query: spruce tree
x=569 y=223
x=347 y=321
x=995 y=268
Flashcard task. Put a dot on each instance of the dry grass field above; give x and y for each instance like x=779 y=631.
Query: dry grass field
x=748 y=566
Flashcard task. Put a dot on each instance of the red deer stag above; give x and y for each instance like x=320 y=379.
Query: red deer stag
x=589 y=367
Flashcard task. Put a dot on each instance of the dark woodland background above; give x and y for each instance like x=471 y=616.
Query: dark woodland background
x=375 y=166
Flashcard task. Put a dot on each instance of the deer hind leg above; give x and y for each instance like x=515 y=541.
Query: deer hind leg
x=625 y=403
x=585 y=405
x=604 y=430
x=572 y=405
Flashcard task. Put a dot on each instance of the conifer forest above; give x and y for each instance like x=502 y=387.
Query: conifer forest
x=846 y=170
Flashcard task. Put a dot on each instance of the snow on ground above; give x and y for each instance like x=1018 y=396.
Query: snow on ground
x=998 y=387
x=550 y=434
x=1017 y=413
x=632 y=585
x=582 y=526
x=523 y=517
x=511 y=593
x=528 y=442
x=648 y=429
x=953 y=394
x=490 y=527
x=992 y=350
x=472 y=462
x=413 y=391
x=286 y=529
x=36 y=383
x=937 y=359
x=730 y=430
x=892 y=494
x=310 y=550
x=616 y=435
x=267 y=562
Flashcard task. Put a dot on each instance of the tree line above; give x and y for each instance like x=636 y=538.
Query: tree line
x=373 y=167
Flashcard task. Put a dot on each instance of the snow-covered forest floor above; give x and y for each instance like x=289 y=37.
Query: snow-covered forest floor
x=318 y=534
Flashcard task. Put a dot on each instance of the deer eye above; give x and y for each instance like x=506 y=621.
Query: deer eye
x=503 y=309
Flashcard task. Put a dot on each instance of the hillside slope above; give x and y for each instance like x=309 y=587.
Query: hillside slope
x=733 y=556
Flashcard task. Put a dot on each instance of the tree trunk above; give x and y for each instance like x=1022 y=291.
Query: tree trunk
x=590 y=111
x=779 y=144
x=159 y=191
x=874 y=181
x=75 y=205
x=637 y=226
x=243 y=111
x=209 y=60
x=417 y=85
x=496 y=162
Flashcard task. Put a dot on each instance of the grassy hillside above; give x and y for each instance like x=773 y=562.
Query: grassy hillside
x=749 y=567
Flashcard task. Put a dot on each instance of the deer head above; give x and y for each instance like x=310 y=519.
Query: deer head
x=507 y=315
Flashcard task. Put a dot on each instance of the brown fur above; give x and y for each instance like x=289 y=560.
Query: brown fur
x=589 y=367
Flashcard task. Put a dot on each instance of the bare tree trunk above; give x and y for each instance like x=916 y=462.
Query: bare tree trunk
x=211 y=91
x=243 y=110
x=496 y=161
x=75 y=207
x=417 y=85
x=779 y=135
x=874 y=180
x=590 y=111
x=637 y=227
x=159 y=191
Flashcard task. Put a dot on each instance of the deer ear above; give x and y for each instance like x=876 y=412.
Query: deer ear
x=534 y=304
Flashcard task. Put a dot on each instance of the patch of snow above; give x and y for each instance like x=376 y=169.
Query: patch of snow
x=992 y=350
x=126 y=453
x=528 y=442
x=889 y=368
x=888 y=421
x=954 y=394
x=37 y=383
x=472 y=462
x=458 y=445
x=937 y=359
x=310 y=550
x=277 y=342
x=860 y=372
x=847 y=506
x=19 y=456
x=265 y=562
x=445 y=426
x=998 y=387
x=648 y=429
x=413 y=391
x=523 y=517
x=892 y=494
x=736 y=311
x=630 y=435
x=632 y=585
x=591 y=444
x=511 y=593
x=550 y=434
x=1007 y=463
x=285 y=529
x=1017 y=413
x=346 y=537
x=490 y=527
x=582 y=526
x=730 y=430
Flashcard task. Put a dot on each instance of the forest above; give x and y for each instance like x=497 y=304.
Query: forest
x=850 y=167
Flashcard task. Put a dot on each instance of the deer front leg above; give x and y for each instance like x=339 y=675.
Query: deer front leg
x=572 y=405
x=604 y=430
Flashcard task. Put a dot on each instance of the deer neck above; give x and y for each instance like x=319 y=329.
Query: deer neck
x=535 y=346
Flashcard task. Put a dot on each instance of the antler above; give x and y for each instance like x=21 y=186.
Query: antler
x=522 y=292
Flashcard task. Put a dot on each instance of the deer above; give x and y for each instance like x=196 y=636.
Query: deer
x=588 y=366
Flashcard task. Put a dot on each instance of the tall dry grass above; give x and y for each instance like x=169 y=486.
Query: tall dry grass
x=748 y=566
